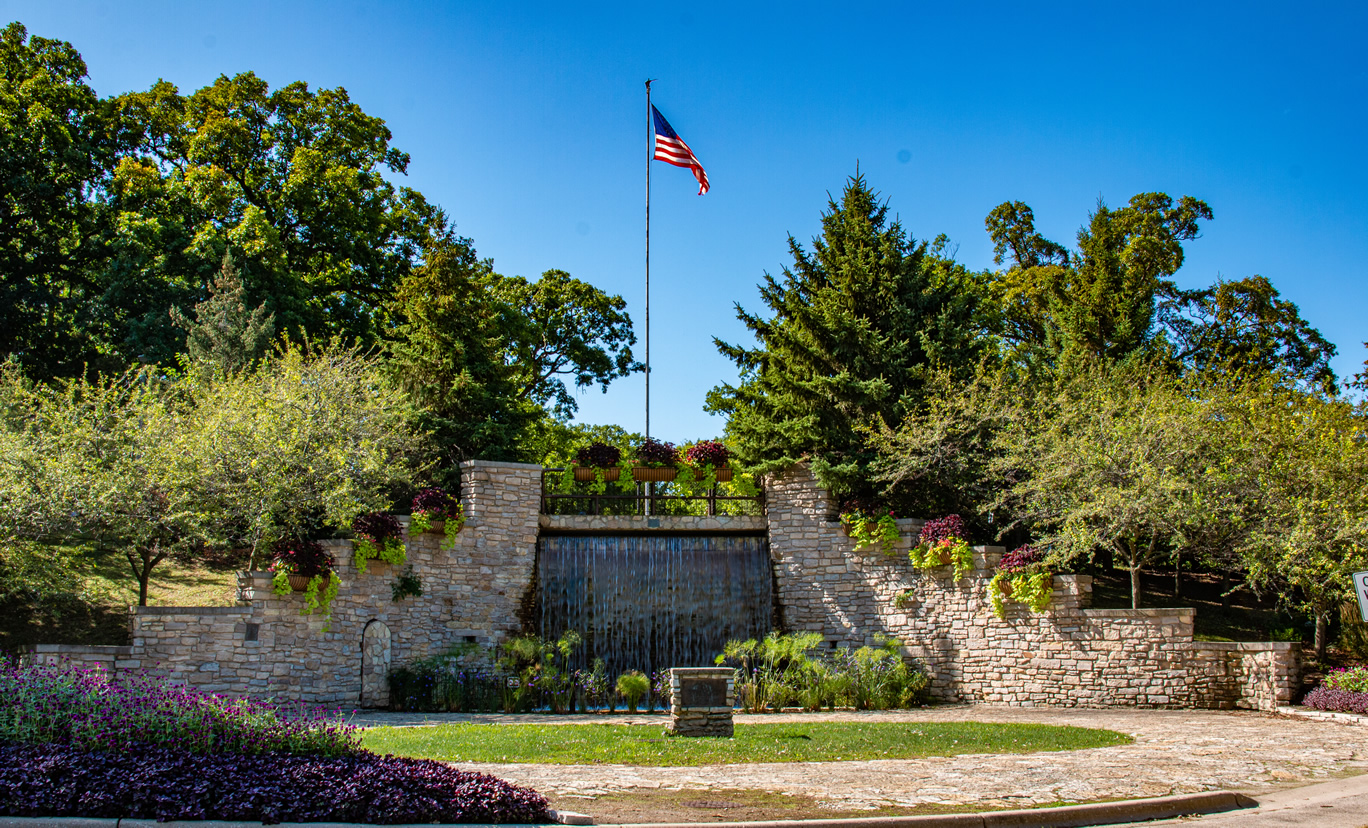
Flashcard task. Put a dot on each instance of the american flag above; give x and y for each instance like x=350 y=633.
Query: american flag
x=671 y=149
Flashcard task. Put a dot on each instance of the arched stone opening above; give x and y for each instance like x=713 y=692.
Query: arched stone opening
x=375 y=665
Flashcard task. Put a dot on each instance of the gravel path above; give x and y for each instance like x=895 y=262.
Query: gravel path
x=1175 y=751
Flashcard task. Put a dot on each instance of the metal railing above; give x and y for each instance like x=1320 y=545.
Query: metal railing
x=642 y=499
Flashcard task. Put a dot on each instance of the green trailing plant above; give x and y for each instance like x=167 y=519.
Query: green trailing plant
x=905 y=598
x=406 y=585
x=434 y=503
x=868 y=527
x=378 y=537
x=308 y=559
x=632 y=686
x=1023 y=574
x=942 y=542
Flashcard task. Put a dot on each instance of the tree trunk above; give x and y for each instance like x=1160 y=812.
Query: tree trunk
x=1135 y=584
x=1225 y=589
x=1322 y=632
x=142 y=566
x=1178 y=574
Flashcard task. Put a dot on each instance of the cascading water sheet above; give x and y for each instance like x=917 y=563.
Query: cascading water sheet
x=650 y=602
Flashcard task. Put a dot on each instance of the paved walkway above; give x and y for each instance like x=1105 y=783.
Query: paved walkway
x=1175 y=751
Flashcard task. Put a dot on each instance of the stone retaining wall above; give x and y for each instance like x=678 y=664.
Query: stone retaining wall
x=475 y=592
x=1069 y=655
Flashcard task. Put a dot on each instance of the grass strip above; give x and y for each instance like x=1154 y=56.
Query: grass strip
x=646 y=745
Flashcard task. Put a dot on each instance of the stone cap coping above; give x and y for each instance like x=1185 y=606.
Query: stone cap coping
x=1143 y=612
x=104 y=649
x=723 y=524
x=499 y=464
x=1100 y=813
x=1249 y=646
x=193 y=610
x=702 y=671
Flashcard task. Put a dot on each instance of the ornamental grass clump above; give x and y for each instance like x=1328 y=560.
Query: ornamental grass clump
x=1022 y=576
x=942 y=541
x=90 y=709
x=378 y=537
x=433 y=503
x=156 y=782
x=306 y=559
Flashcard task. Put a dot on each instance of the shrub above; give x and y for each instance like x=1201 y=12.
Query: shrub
x=599 y=456
x=707 y=453
x=1339 y=701
x=1351 y=679
x=88 y=709
x=657 y=453
x=149 y=782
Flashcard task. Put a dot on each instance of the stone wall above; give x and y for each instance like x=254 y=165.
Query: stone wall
x=471 y=593
x=1069 y=655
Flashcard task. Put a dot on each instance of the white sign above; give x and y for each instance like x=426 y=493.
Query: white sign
x=1361 y=590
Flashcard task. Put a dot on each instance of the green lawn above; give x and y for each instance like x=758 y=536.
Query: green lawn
x=796 y=742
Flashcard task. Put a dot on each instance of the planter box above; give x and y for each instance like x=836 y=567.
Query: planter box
x=299 y=583
x=584 y=474
x=651 y=474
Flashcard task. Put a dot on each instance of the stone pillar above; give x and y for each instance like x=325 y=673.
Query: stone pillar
x=701 y=701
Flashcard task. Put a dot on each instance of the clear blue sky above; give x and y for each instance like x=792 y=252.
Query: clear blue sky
x=526 y=122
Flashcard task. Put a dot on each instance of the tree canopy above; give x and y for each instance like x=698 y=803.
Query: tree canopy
x=853 y=325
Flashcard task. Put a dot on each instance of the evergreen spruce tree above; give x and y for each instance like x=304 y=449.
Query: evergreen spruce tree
x=855 y=325
x=223 y=335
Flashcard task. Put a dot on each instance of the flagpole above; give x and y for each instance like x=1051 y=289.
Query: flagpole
x=650 y=135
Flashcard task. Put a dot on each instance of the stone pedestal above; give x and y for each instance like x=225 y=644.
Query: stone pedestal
x=701 y=701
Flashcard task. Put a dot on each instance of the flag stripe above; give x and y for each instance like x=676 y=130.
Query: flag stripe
x=671 y=149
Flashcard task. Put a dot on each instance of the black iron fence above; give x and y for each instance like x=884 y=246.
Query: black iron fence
x=629 y=497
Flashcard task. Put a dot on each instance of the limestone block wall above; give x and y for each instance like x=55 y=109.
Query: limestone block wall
x=1070 y=655
x=472 y=592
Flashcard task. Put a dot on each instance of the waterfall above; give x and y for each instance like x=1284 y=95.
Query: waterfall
x=653 y=601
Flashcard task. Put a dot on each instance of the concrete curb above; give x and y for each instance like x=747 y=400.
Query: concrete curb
x=1069 y=816
x=1323 y=715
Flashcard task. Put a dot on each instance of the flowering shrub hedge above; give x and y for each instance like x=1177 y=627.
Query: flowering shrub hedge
x=1352 y=679
x=90 y=709
x=148 y=782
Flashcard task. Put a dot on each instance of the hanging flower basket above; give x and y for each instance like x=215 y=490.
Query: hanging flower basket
x=654 y=474
x=585 y=474
x=723 y=475
x=299 y=583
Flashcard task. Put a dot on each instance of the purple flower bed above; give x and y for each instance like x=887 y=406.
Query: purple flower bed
x=948 y=528
x=147 y=782
x=89 y=709
x=1338 y=701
